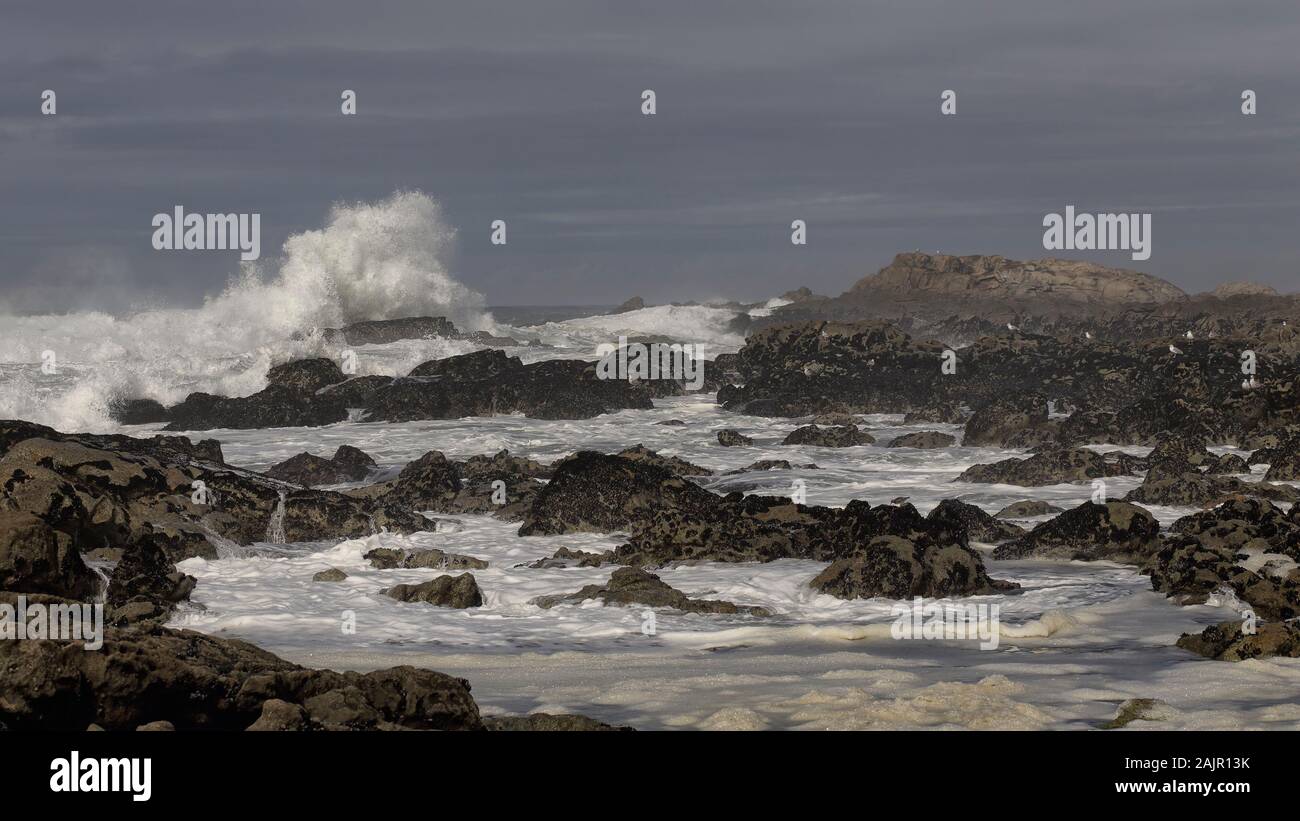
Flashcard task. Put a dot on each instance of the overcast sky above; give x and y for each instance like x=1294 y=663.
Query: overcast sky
x=529 y=111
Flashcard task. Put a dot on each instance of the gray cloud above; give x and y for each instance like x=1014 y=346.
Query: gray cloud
x=526 y=111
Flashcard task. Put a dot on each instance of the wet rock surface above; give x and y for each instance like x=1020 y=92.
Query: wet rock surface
x=729 y=438
x=1053 y=466
x=923 y=439
x=348 y=464
x=1230 y=641
x=844 y=436
x=1115 y=531
x=194 y=681
x=635 y=586
x=445 y=591
x=895 y=568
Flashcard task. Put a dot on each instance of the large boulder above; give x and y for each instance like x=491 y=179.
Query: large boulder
x=1230 y=641
x=840 y=436
x=1115 y=531
x=36 y=558
x=445 y=591
x=894 y=568
x=348 y=464
x=635 y=586
x=197 y=681
x=1052 y=466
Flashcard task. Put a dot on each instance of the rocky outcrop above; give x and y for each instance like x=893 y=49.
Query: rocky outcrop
x=972 y=522
x=1027 y=508
x=1015 y=422
x=333 y=574
x=1230 y=641
x=348 y=464
x=895 y=568
x=919 y=275
x=202 y=682
x=566 y=557
x=673 y=464
x=384 y=331
x=387 y=558
x=502 y=485
x=1053 y=467
x=634 y=586
x=145 y=584
x=550 y=723
x=445 y=591
x=489 y=383
x=844 y=436
x=1115 y=531
x=923 y=439
x=1204 y=554
x=635 y=303
x=730 y=438
x=36 y=558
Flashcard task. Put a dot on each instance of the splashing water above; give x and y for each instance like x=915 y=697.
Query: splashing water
x=371 y=261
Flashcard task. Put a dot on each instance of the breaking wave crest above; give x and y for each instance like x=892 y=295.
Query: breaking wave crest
x=371 y=261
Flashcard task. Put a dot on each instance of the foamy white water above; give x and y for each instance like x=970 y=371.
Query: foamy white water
x=1077 y=639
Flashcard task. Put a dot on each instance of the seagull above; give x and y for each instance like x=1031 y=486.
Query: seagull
x=1188 y=334
x=1174 y=350
x=1087 y=335
x=1249 y=384
x=1011 y=327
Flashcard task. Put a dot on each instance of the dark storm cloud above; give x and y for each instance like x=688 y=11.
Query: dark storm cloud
x=529 y=112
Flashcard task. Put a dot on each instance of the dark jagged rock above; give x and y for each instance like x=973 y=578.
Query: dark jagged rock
x=113 y=498
x=502 y=485
x=635 y=303
x=1227 y=463
x=1229 y=641
x=1027 y=508
x=276 y=406
x=1115 y=531
x=1245 y=524
x=356 y=392
x=1203 y=552
x=834 y=420
x=487 y=383
x=445 y=591
x=632 y=585
x=387 y=558
x=835 y=437
x=137 y=411
x=564 y=557
x=145 y=584
x=36 y=558
x=550 y=723
x=1053 y=467
x=333 y=574
x=1189 y=571
x=730 y=438
x=384 y=331
x=1015 y=422
x=923 y=439
x=1203 y=490
x=197 y=682
x=306 y=375
x=1284 y=461
x=674 y=464
x=676 y=423
x=973 y=522
x=948 y=413
x=894 y=568
x=347 y=465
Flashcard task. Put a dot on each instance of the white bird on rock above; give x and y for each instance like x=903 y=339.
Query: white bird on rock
x=1011 y=327
x=1174 y=350
x=1087 y=335
x=1188 y=334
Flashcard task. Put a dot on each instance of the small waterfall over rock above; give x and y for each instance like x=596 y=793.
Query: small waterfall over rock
x=275 y=527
